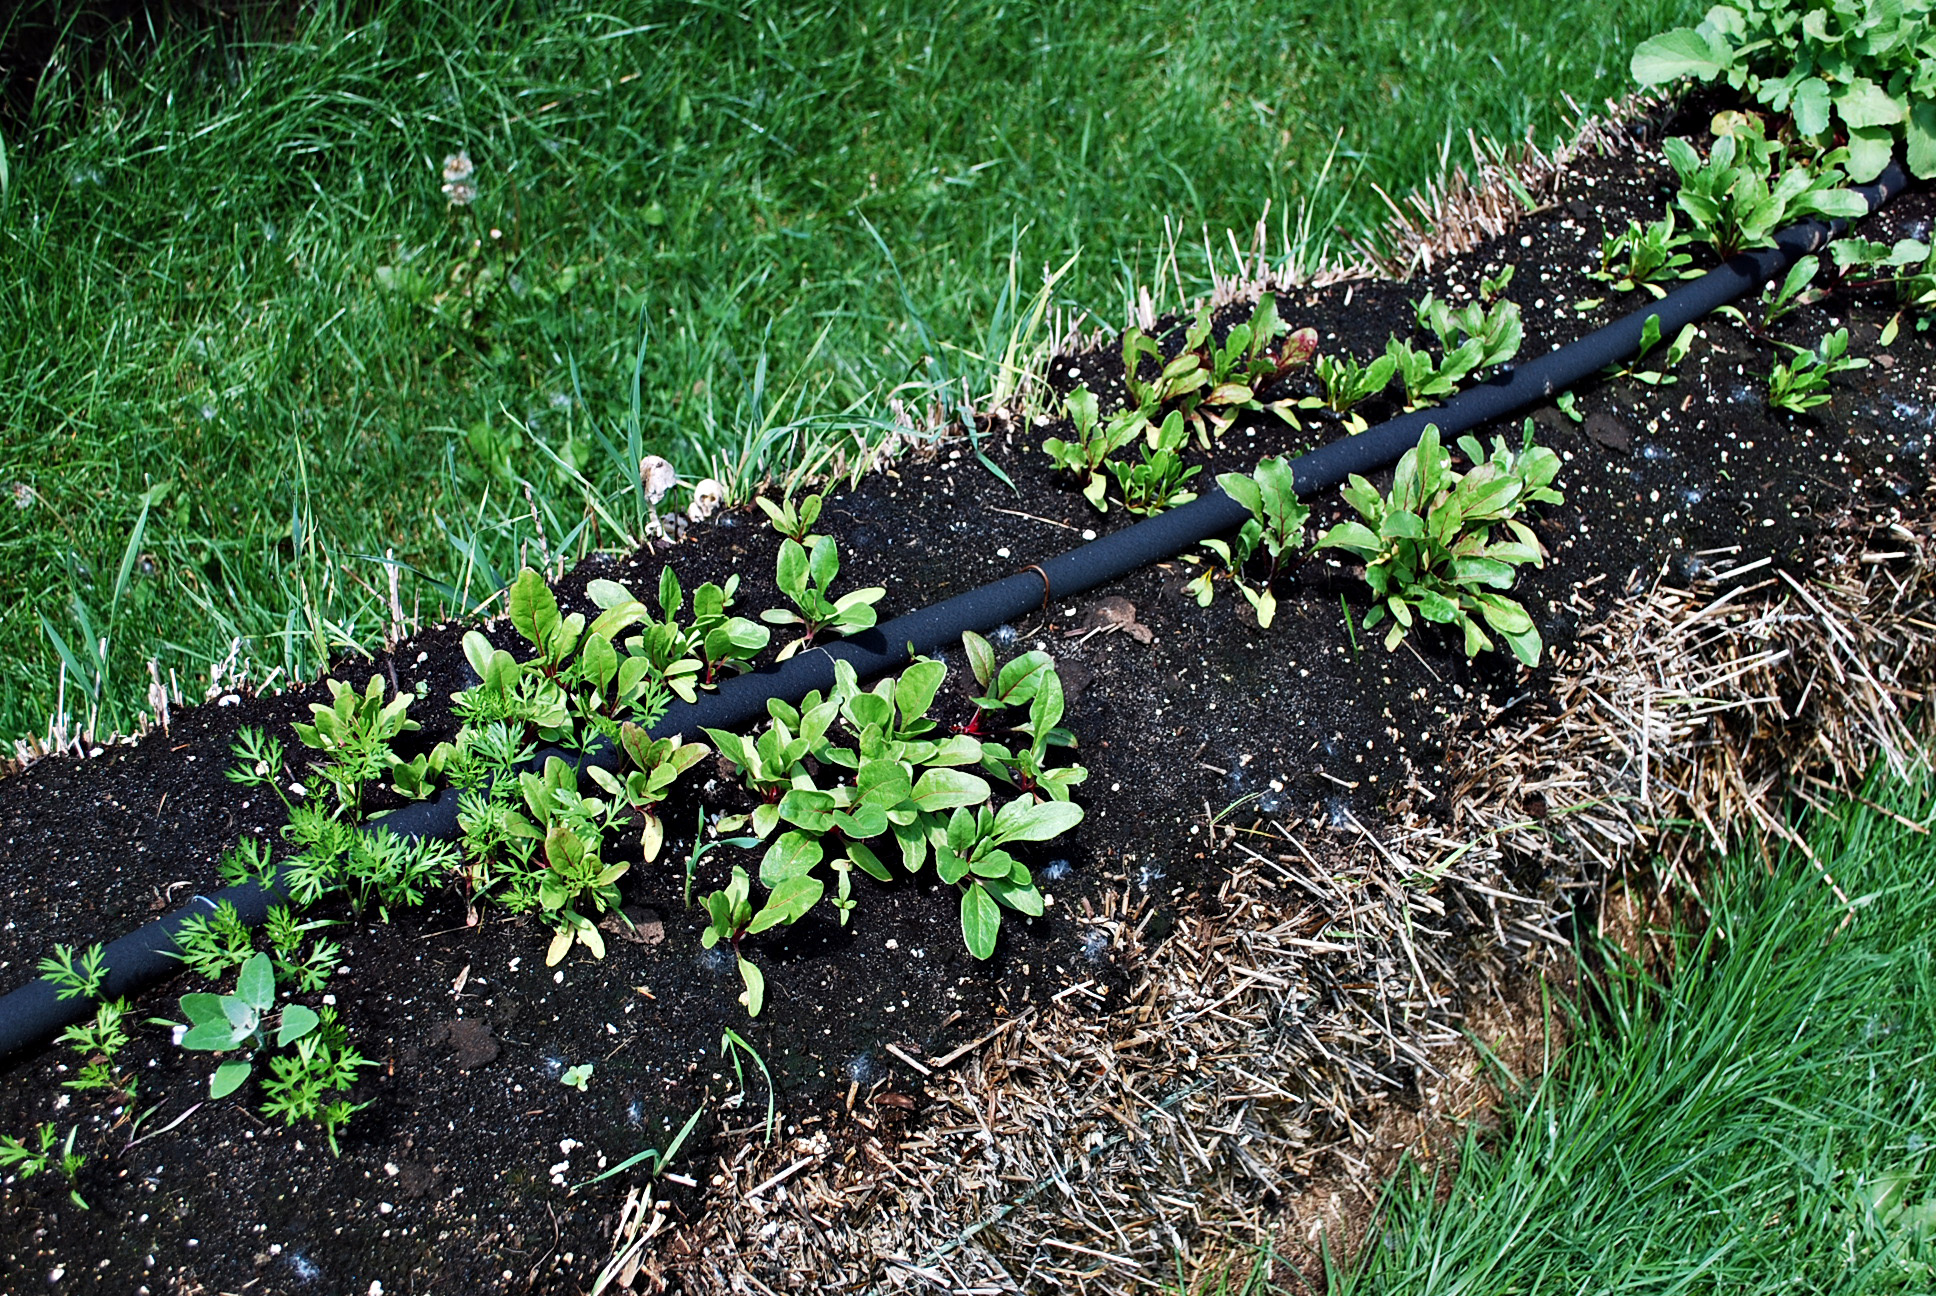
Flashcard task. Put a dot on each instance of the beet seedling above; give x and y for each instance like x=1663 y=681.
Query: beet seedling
x=1497 y=331
x=795 y=524
x=1346 y=382
x=1155 y=482
x=1736 y=200
x=971 y=857
x=355 y=731
x=1644 y=256
x=1086 y=456
x=732 y=920
x=656 y=764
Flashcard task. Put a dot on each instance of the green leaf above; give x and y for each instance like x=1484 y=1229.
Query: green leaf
x=790 y=571
x=980 y=653
x=788 y=903
x=228 y=1078
x=297 y=1021
x=1025 y=820
x=868 y=862
x=945 y=789
x=981 y=921
x=1023 y=898
x=914 y=691
x=1921 y=132
x=1678 y=53
x=534 y=610
x=256 y=984
x=212 y=1037
x=755 y=987
x=792 y=854
x=1864 y=103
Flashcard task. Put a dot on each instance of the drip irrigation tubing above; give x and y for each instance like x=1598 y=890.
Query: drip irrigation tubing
x=33 y=1013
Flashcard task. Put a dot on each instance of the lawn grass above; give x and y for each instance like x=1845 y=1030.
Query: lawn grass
x=1762 y=1124
x=249 y=354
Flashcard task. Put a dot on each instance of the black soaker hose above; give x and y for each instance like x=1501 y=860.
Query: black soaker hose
x=33 y=1014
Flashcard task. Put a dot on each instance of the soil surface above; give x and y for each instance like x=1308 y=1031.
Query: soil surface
x=458 y=1175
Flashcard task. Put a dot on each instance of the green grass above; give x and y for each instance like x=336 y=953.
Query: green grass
x=235 y=292
x=1762 y=1124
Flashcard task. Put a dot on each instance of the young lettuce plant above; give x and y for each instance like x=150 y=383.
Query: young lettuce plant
x=1275 y=527
x=806 y=578
x=1428 y=549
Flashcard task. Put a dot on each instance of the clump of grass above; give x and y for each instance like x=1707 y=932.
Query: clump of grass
x=1760 y=1124
x=234 y=270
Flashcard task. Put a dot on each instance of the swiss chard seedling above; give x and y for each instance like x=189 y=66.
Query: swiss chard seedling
x=807 y=579
x=1156 y=481
x=1428 y=547
x=1644 y=256
x=1801 y=383
x=1736 y=199
x=1275 y=528
x=1095 y=441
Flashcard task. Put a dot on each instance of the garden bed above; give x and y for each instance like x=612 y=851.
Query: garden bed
x=1306 y=860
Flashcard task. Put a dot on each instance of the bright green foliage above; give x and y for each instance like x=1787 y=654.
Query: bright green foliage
x=304 y=971
x=1908 y=266
x=656 y=763
x=1095 y=441
x=98 y=1041
x=26 y=1162
x=1755 y=1122
x=807 y=578
x=1661 y=374
x=896 y=780
x=1802 y=383
x=1644 y=256
x=1428 y=548
x=373 y=867
x=355 y=732
x=1495 y=333
x=212 y=943
x=796 y=524
x=1155 y=481
x=1427 y=379
x=401 y=377
x=75 y=978
x=1346 y=382
x=1736 y=199
x=971 y=855
x=300 y=1081
x=1844 y=69
x=1275 y=528
x=1794 y=291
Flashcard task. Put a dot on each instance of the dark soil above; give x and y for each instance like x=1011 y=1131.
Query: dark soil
x=455 y=1178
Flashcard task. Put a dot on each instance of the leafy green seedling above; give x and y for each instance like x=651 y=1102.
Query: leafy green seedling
x=220 y=1023
x=1095 y=441
x=1850 y=71
x=214 y=942
x=76 y=978
x=1425 y=379
x=1497 y=331
x=989 y=877
x=1275 y=526
x=577 y=1077
x=1428 y=548
x=655 y=764
x=1801 y=384
x=1569 y=405
x=1155 y=482
x=1346 y=382
x=1736 y=200
x=1662 y=374
x=1794 y=292
x=1908 y=266
x=796 y=524
x=355 y=731
x=1644 y=256
x=27 y=1162
x=98 y=1041
x=806 y=578
x=733 y=919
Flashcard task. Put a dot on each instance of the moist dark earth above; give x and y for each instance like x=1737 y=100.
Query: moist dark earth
x=457 y=1176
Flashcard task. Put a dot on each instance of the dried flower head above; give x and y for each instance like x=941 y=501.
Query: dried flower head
x=23 y=495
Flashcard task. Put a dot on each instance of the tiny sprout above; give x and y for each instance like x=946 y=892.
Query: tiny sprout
x=578 y=1077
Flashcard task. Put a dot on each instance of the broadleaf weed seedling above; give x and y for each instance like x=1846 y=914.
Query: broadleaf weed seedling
x=1428 y=548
